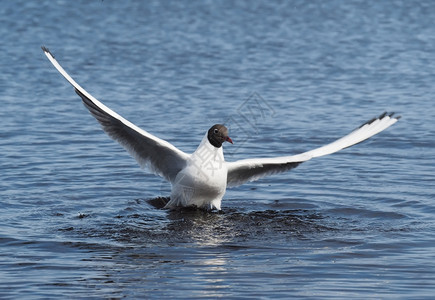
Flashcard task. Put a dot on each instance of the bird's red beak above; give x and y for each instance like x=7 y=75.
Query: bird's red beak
x=228 y=139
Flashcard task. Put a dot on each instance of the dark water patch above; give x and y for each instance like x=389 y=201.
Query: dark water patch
x=204 y=228
x=158 y=202
x=365 y=213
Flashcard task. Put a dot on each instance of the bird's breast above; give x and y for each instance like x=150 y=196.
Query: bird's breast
x=206 y=172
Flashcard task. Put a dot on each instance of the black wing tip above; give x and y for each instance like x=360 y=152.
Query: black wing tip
x=394 y=117
x=383 y=115
x=390 y=115
x=46 y=50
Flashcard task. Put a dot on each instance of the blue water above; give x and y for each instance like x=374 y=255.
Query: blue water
x=75 y=222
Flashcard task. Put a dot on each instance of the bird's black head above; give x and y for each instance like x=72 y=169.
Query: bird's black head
x=217 y=135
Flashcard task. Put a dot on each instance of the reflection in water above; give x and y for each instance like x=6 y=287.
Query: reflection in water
x=204 y=243
x=230 y=228
x=212 y=271
x=203 y=228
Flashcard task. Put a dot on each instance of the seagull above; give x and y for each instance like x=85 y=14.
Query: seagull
x=200 y=179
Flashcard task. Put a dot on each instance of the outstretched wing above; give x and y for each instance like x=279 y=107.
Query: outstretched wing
x=246 y=170
x=161 y=157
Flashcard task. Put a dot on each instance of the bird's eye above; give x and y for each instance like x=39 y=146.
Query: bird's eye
x=216 y=130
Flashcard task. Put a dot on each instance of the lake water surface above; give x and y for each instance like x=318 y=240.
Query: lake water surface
x=286 y=77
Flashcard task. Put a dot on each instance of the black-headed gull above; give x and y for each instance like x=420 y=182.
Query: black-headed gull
x=200 y=179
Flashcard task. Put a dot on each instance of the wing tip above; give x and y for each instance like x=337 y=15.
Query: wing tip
x=391 y=115
x=47 y=51
x=382 y=116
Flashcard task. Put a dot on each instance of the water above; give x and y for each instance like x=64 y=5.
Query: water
x=75 y=218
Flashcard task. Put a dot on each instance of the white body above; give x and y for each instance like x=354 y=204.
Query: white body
x=203 y=181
